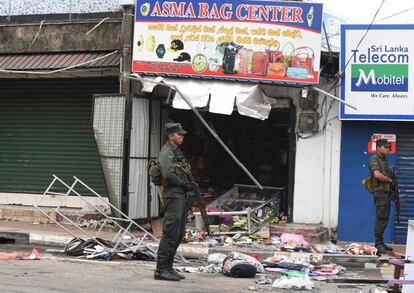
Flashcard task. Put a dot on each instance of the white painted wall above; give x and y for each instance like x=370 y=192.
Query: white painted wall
x=316 y=188
x=316 y=191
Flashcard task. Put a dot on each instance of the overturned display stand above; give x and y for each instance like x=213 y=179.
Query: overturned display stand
x=122 y=222
x=255 y=207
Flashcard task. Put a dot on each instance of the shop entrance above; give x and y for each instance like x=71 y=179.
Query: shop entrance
x=266 y=148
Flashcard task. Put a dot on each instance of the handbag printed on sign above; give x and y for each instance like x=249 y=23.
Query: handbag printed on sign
x=303 y=57
x=244 y=61
x=259 y=63
x=276 y=69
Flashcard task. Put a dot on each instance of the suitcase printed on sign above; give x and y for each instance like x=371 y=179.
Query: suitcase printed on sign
x=259 y=63
x=244 y=61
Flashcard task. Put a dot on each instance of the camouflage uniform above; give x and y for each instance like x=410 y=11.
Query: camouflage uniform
x=175 y=206
x=382 y=196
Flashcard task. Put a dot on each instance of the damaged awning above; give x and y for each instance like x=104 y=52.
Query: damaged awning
x=217 y=96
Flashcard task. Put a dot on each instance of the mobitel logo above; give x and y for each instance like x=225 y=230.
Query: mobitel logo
x=379 y=77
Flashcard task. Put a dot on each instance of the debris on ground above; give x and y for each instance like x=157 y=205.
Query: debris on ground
x=303 y=283
x=90 y=249
x=359 y=249
x=263 y=280
x=238 y=268
x=33 y=255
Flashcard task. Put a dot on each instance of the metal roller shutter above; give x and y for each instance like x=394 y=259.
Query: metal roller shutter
x=405 y=172
x=45 y=129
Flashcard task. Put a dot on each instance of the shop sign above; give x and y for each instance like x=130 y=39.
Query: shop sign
x=376 y=75
x=392 y=139
x=250 y=40
x=332 y=25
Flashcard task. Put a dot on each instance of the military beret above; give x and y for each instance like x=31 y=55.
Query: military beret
x=174 y=127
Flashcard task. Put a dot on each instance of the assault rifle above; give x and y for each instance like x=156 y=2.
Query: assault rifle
x=199 y=201
x=395 y=194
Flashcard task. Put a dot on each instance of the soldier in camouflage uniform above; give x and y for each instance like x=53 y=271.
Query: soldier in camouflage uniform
x=381 y=177
x=176 y=204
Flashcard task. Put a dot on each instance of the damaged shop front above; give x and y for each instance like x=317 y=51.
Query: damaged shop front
x=383 y=95
x=245 y=106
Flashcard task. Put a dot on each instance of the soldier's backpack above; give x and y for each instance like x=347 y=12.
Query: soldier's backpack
x=154 y=171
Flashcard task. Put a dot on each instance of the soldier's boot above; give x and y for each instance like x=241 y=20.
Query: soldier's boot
x=163 y=272
x=389 y=248
x=381 y=249
x=173 y=271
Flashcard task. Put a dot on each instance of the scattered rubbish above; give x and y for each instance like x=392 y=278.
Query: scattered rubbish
x=303 y=283
x=105 y=250
x=252 y=288
x=187 y=269
x=359 y=249
x=127 y=237
x=263 y=280
x=216 y=258
x=33 y=255
x=249 y=259
x=293 y=241
x=328 y=247
x=238 y=268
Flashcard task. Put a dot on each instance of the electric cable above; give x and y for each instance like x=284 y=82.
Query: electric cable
x=363 y=37
x=395 y=14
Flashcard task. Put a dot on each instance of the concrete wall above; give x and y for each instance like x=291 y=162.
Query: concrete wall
x=60 y=37
x=30 y=7
x=316 y=193
x=316 y=188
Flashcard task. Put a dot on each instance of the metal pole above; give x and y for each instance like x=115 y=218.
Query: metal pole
x=137 y=77
x=218 y=138
x=333 y=97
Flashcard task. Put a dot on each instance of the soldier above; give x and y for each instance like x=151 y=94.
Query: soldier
x=176 y=204
x=381 y=182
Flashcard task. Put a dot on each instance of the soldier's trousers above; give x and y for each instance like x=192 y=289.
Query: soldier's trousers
x=382 y=205
x=175 y=218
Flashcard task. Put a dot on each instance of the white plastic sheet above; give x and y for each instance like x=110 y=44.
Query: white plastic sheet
x=196 y=91
x=253 y=103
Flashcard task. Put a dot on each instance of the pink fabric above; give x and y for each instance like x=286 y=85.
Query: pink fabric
x=34 y=255
x=295 y=238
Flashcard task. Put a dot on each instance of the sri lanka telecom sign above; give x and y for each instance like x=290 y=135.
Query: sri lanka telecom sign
x=376 y=76
x=229 y=39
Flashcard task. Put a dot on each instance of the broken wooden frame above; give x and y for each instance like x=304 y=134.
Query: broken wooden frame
x=133 y=244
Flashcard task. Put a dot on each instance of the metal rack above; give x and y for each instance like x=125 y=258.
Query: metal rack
x=120 y=242
x=247 y=212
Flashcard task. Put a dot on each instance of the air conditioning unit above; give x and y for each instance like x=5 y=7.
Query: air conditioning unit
x=308 y=122
x=308 y=100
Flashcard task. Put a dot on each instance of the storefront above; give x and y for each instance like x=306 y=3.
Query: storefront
x=306 y=164
x=46 y=124
x=376 y=82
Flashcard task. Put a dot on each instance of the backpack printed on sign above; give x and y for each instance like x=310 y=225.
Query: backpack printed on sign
x=229 y=61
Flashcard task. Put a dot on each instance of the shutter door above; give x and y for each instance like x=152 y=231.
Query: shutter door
x=45 y=129
x=405 y=172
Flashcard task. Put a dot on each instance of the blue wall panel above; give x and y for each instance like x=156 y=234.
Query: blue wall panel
x=356 y=206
